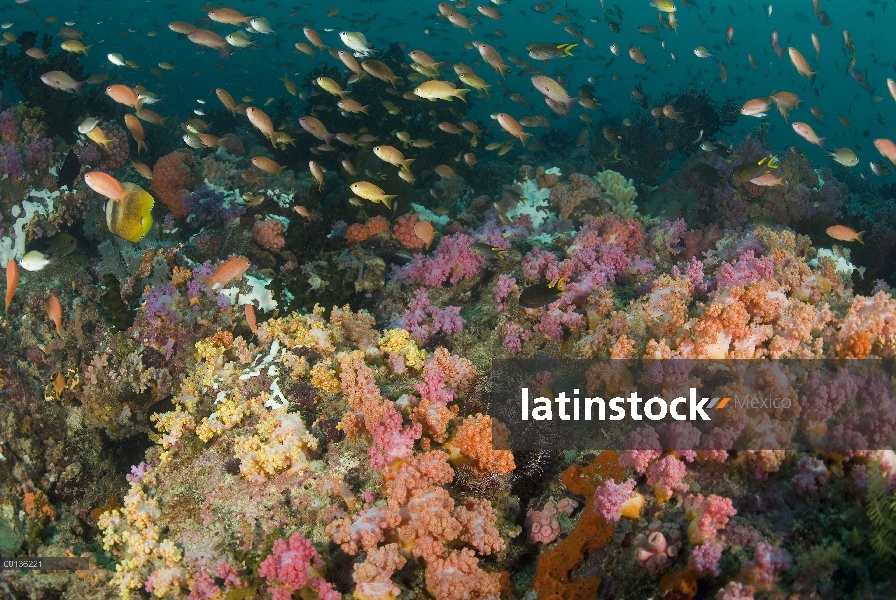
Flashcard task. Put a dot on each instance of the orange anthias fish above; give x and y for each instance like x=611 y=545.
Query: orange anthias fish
x=227 y=271
x=59 y=384
x=105 y=184
x=12 y=280
x=250 y=318
x=54 y=310
x=424 y=230
x=845 y=234
x=136 y=129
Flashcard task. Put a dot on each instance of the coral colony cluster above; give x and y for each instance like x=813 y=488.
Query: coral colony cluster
x=313 y=422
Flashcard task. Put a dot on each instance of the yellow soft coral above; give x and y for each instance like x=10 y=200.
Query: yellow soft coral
x=133 y=533
x=279 y=445
x=398 y=342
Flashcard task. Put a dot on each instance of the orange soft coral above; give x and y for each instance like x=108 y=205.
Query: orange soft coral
x=473 y=443
x=869 y=327
x=459 y=577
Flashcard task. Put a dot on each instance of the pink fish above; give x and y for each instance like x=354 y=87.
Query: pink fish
x=807 y=133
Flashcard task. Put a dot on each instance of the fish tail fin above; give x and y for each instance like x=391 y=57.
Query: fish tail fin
x=224 y=52
x=407 y=163
x=86 y=48
x=570 y=103
x=460 y=94
x=364 y=109
x=859 y=237
x=343 y=94
x=79 y=86
x=141 y=146
x=568 y=50
x=821 y=142
x=523 y=137
x=329 y=137
x=387 y=200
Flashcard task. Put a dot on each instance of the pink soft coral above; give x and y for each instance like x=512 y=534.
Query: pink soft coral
x=610 y=496
x=707 y=515
x=452 y=262
x=665 y=477
x=292 y=565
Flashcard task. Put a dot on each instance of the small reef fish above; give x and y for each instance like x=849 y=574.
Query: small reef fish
x=54 y=311
x=538 y=295
x=372 y=192
x=227 y=272
x=357 y=43
x=549 y=51
x=439 y=90
x=12 y=281
x=104 y=184
x=844 y=156
x=34 y=261
x=807 y=133
x=59 y=80
x=845 y=234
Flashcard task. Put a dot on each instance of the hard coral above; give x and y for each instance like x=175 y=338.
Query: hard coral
x=269 y=234
x=403 y=231
x=116 y=154
x=357 y=232
x=170 y=176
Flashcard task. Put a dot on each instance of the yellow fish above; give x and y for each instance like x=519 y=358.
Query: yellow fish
x=372 y=192
x=290 y=85
x=130 y=219
x=75 y=46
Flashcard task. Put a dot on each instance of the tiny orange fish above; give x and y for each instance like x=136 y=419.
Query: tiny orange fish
x=250 y=317
x=54 y=310
x=59 y=384
x=844 y=233
x=12 y=281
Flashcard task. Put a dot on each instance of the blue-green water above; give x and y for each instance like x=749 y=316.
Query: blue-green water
x=125 y=28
